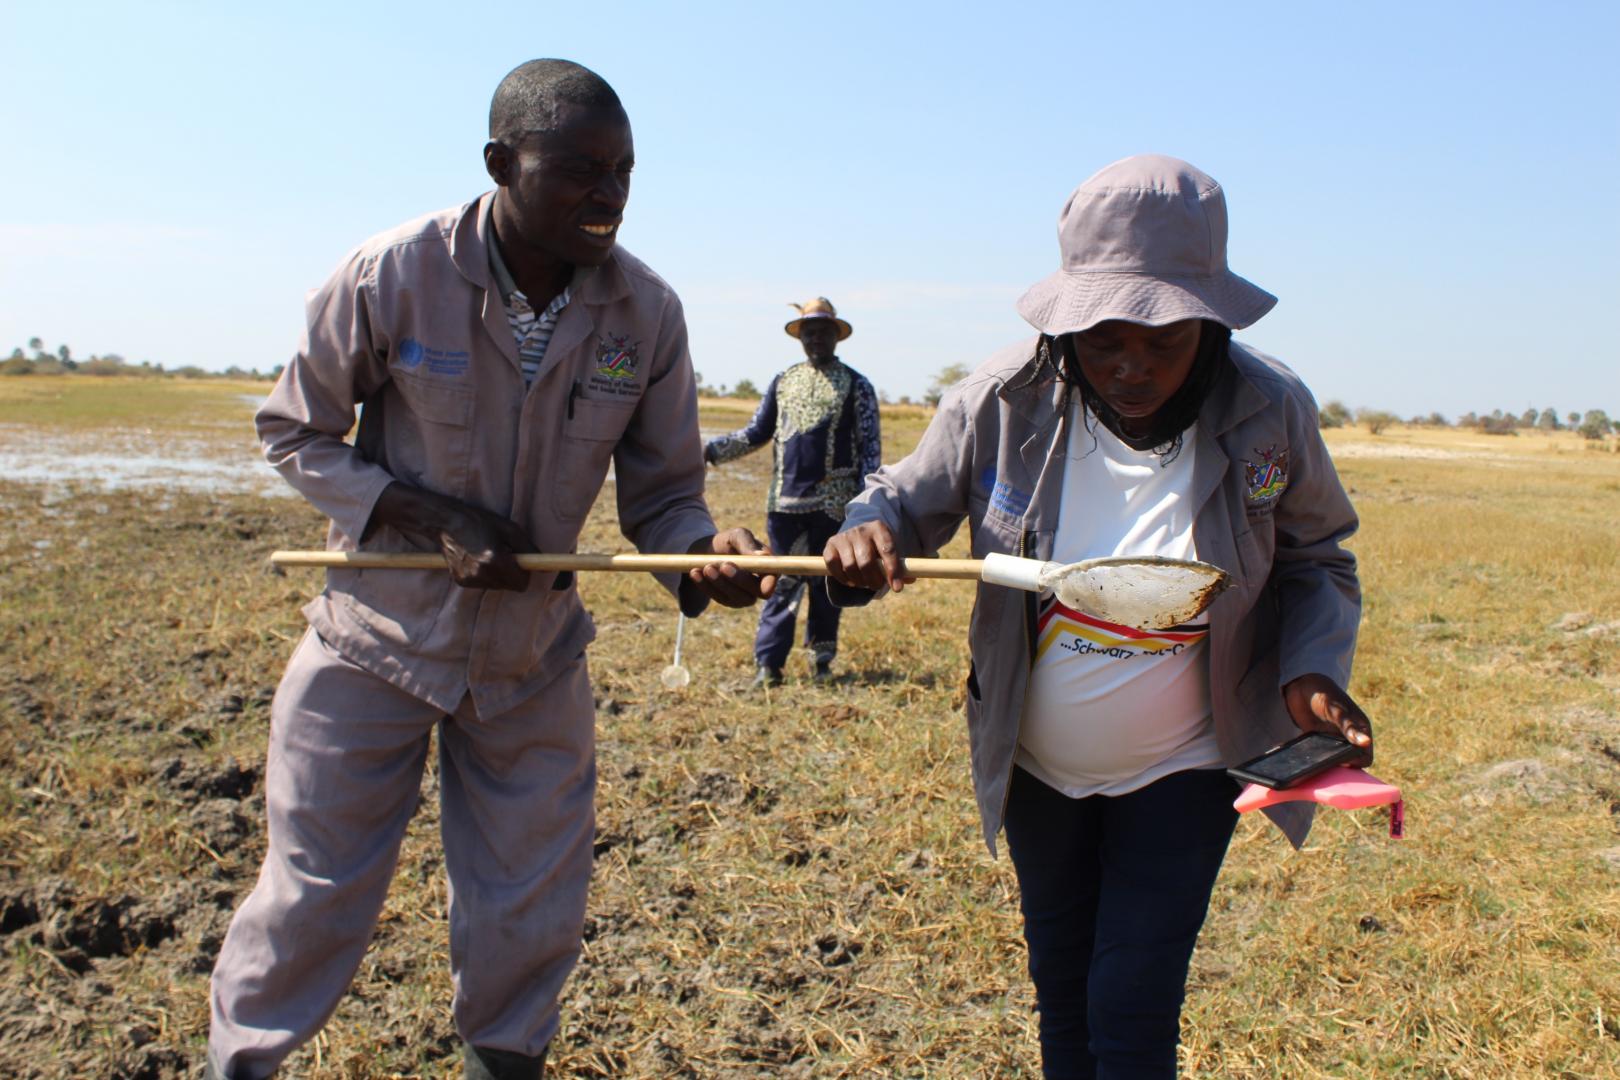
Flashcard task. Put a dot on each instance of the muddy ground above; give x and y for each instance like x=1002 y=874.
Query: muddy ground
x=136 y=697
x=793 y=884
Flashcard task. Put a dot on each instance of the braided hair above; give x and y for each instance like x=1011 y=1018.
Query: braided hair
x=1178 y=412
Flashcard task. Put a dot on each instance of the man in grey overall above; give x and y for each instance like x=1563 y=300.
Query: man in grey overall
x=504 y=353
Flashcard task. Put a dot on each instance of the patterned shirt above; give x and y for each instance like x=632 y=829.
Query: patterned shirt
x=824 y=421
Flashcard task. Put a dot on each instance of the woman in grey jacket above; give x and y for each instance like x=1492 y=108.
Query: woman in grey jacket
x=1131 y=425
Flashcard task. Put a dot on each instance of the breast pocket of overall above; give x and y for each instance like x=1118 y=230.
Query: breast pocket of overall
x=427 y=435
x=1256 y=545
x=992 y=532
x=588 y=438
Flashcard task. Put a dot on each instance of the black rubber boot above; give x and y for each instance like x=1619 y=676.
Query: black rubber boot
x=482 y=1063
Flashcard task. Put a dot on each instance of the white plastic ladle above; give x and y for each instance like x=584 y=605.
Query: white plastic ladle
x=1142 y=592
x=675 y=675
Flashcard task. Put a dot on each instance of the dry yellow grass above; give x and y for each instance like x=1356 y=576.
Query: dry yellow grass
x=793 y=884
x=1486 y=943
x=148 y=403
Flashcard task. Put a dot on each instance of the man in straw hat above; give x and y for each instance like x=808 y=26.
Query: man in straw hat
x=1131 y=424
x=506 y=352
x=823 y=417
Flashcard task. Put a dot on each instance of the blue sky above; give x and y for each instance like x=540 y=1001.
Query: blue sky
x=1433 y=190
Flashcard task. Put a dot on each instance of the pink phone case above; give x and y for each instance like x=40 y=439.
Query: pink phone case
x=1341 y=787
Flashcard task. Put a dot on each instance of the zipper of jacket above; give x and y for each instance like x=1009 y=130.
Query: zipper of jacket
x=1032 y=609
x=1032 y=602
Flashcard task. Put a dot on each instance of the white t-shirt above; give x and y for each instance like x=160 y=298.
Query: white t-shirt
x=1111 y=709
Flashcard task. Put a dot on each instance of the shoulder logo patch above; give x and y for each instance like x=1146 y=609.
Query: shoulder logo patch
x=1267 y=478
x=413 y=354
x=1008 y=500
x=616 y=357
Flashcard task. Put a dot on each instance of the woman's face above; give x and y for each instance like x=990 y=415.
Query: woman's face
x=1135 y=368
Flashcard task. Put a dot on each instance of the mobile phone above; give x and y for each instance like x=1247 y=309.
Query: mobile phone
x=1295 y=760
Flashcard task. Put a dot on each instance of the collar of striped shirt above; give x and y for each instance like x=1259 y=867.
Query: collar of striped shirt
x=532 y=329
x=497 y=264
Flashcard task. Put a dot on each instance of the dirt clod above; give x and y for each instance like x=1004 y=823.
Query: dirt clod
x=220 y=824
x=834 y=951
x=17 y=910
x=79 y=931
x=231 y=780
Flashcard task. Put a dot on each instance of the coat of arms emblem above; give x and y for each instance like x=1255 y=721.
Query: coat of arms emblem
x=616 y=357
x=1267 y=478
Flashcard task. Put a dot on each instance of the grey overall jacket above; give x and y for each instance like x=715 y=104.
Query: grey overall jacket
x=412 y=327
x=1271 y=512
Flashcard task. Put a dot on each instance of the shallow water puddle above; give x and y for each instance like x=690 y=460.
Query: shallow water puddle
x=113 y=459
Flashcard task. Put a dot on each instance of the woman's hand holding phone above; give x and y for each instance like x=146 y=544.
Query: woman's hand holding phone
x=1317 y=703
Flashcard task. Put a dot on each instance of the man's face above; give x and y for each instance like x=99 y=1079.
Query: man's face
x=819 y=338
x=564 y=192
x=1135 y=368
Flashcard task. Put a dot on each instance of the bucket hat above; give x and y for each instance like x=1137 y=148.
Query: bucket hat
x=819 y=308
x=1143 y=240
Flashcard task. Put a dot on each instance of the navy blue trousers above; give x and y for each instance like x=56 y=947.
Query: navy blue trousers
x=1114 y=890
x=797 y=534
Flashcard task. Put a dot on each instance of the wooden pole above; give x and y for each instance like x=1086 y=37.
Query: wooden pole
x=798 y=565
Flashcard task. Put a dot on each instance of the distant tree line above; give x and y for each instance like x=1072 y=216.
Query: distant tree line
x=35 y=360
x=1592 y=424
x=745 y=388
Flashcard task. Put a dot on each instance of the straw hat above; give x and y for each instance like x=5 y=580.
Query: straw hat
x=819 y=308
x=1144 y=240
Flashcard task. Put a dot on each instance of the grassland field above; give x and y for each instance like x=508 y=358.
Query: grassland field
x=792 y=884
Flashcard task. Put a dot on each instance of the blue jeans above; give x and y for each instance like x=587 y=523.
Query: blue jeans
x=1114 y=890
